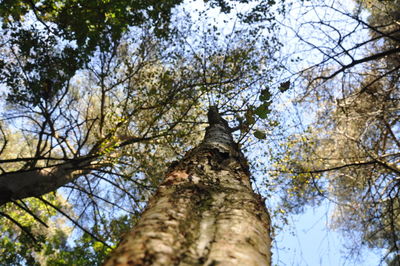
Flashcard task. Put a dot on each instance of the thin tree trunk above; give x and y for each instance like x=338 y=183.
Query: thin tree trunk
x=204 y=212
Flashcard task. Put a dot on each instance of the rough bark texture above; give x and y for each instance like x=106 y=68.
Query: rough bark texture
x=204 y=212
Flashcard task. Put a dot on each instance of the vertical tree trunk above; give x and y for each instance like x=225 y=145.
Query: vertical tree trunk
x=204 y=212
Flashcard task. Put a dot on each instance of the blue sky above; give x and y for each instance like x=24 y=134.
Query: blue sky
x=308 y=241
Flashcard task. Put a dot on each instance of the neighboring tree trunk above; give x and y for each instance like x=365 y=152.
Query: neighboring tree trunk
x=37 y=182
x=204 y=212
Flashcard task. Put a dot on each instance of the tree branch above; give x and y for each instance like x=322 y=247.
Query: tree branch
x=74 y=222
x=360 y=61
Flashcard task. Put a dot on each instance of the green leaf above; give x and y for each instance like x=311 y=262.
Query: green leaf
x=259 y=134
x=263 y=110
x=284 y=86
x=265 y=95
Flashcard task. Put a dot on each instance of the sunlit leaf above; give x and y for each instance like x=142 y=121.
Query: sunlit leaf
x=263 y=110
x=259 y=134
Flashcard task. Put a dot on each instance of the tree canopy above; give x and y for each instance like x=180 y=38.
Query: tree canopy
x=100 y=96
x=350 y=153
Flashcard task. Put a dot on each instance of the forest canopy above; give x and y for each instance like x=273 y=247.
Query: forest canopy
x=349 y=154
x=100 y=97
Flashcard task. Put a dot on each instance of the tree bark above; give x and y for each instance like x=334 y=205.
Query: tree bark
x=37 y=182
x=204 y=212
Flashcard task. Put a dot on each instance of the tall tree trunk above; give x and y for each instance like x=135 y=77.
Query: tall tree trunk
x=204 y=212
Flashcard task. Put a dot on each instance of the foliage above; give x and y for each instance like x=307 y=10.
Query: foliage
x=350 y=153
x=123 y=86
x=36 y=28
x=49 y=229
x=82 y=26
